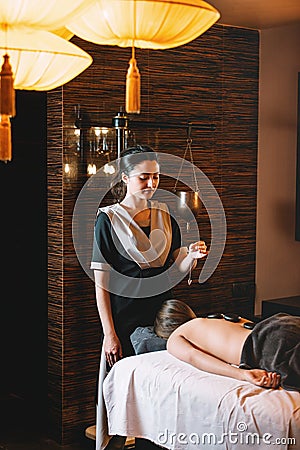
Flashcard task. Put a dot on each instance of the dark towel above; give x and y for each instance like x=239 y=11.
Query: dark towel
x=274 y=345
x=144 y=340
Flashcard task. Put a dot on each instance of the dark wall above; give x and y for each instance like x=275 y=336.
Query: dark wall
x=297 y=230
x=23 y=231
x=212 y=80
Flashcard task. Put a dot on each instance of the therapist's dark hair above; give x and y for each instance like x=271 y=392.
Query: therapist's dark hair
x=130 y=158
x=170 y=316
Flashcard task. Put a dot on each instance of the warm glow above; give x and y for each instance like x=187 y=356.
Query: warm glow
x=155 y=24
x=63 y=33
x=67 y=168
x=97 y=131
x=42 y=14
x=159 y=24
x=109 y=169
x=37 y=58
x=91 y=169
x=41 y=60
x=100 y=131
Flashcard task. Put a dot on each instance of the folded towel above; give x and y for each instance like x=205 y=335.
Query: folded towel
x=145 y=340
x=274 y=345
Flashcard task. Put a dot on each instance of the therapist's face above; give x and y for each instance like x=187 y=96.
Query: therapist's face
x=143 y=180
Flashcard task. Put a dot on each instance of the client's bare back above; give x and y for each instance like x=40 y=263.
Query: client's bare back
x=224 y=341
x=217 y=337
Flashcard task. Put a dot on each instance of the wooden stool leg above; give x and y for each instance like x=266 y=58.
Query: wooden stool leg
x=90 y=433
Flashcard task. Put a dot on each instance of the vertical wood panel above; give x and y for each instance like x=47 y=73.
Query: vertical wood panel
x=55 y=258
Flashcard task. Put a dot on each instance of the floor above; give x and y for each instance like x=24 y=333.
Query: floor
x=20 y=440
x=31 y=441
x=23 y=429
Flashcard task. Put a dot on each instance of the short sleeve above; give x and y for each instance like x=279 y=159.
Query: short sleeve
x=103 y=246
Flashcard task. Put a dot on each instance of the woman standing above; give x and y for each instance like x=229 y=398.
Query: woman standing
x=135 y=242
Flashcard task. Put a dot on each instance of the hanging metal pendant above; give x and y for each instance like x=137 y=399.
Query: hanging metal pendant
x=186 y=202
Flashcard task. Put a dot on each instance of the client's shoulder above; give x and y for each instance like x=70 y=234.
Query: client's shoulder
x=188 y=327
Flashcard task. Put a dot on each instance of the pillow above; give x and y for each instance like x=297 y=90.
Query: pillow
x=144 y=340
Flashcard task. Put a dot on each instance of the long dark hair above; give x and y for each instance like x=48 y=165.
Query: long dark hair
x=170 y=316
x=129 y=158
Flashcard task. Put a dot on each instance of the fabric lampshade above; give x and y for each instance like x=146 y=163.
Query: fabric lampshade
x=153 y=24
x=41 y=60
x=32 y=56
x=63 y=32
x=158 y=24
x=46 y=14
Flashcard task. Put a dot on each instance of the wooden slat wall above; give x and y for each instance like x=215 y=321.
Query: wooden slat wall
x=214 y=79
x=55 y=258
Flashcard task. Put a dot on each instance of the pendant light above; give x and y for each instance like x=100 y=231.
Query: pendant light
x=33 y=60
x=41 y=60
x=42 y=14
x=152 y=24
x=31 y=56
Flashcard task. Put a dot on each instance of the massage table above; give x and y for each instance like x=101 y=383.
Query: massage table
x=157 y=397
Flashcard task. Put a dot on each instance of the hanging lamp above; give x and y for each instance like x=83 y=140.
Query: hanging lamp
x=42 y=14
x=33 y=59
x=41 y=60
x=152 y=24
x=188 y=201
x=31 y=56
x=25 y=27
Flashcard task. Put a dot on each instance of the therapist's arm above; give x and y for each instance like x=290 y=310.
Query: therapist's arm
x=111 y=342
x=186 y=259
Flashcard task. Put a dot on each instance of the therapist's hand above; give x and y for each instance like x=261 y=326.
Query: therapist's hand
x=198 y=250
x=112 y=349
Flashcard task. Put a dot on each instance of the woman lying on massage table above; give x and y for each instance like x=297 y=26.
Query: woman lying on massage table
x=271 y=352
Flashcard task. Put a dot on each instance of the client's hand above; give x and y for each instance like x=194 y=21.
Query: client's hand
x=198 y=250
x=112 y=349
x=262 y=378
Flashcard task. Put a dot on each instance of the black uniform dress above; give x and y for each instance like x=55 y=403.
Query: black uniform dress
x=136 y=310
x=131 y=308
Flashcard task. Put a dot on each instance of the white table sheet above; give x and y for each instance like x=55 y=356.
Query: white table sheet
x=157 y=397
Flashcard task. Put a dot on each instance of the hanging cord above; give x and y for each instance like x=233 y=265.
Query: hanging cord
x=189 y=145
x=180 y=169
x=188 y=149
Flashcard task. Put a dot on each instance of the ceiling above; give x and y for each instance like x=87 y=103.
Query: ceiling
x=258 y=14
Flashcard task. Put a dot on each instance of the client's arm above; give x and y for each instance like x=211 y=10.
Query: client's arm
x=182 y=348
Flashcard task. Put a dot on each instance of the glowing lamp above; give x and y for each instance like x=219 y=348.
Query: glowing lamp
x=154 y=24
x=41 y=14
x=33 y=60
